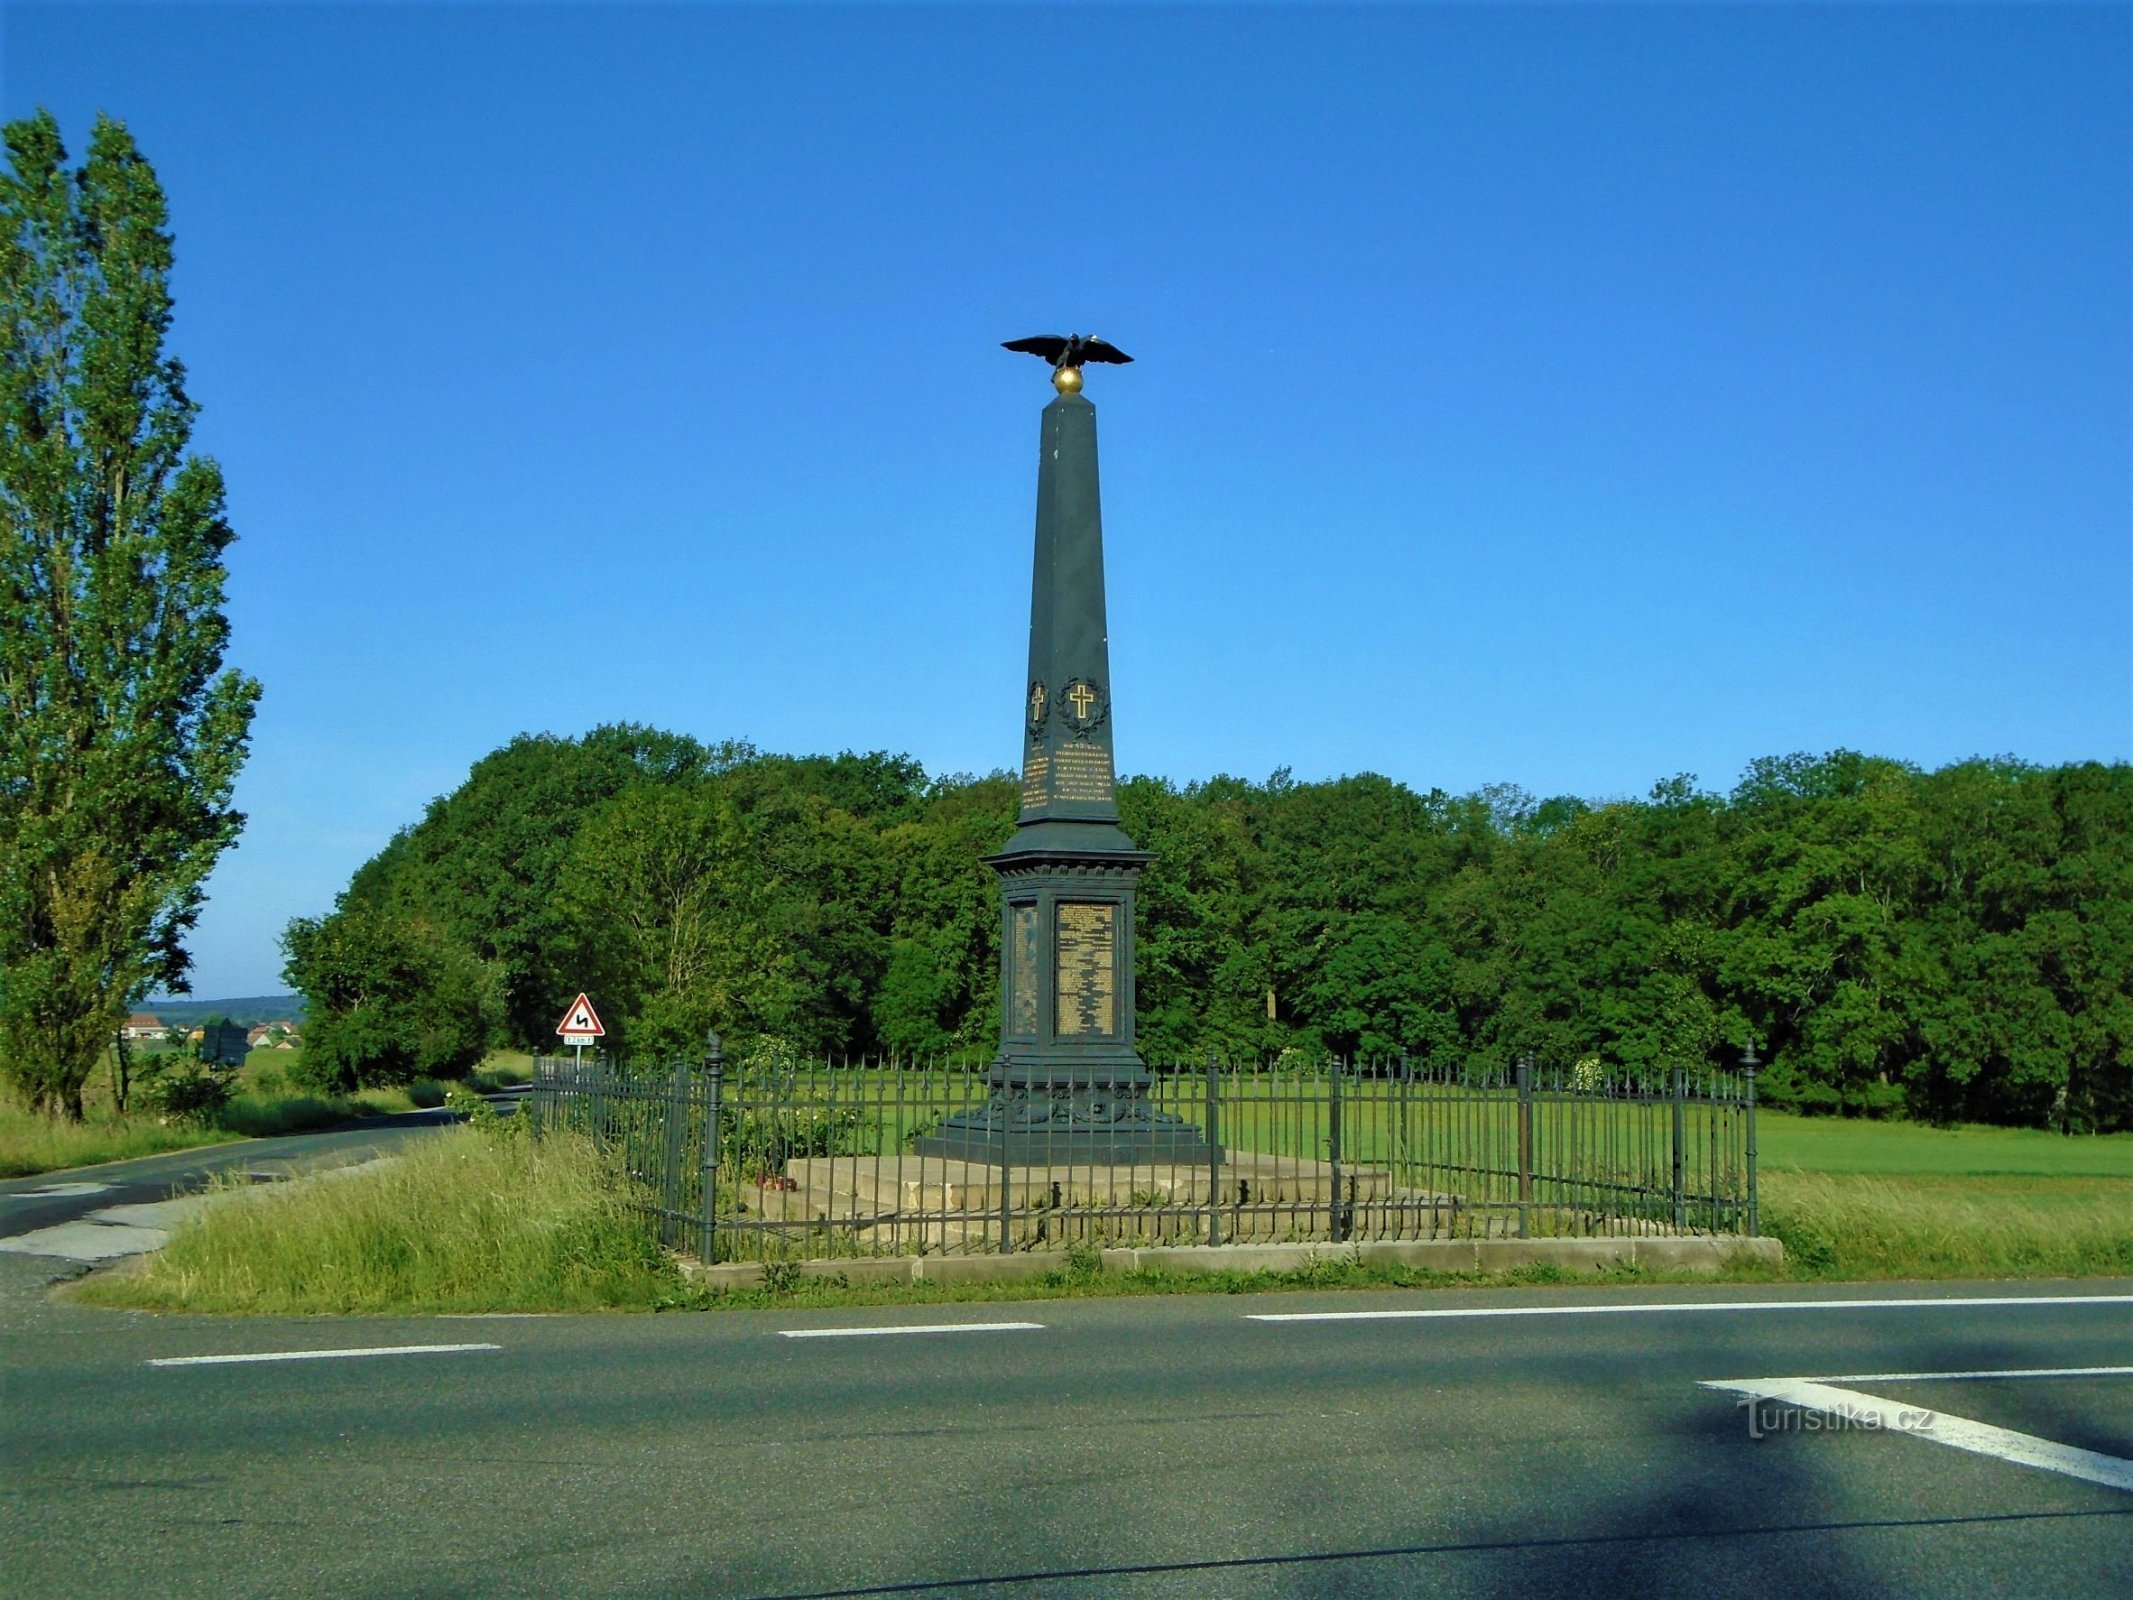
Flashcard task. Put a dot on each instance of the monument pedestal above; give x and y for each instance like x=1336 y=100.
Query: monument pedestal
x=1052 y=1124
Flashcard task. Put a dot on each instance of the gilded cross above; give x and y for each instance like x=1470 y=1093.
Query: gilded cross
x=1036 y=702
x=1083 y=697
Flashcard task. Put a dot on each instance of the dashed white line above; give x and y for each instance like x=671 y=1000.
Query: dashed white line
x=1939 y=1303
x=319 y=1355
x=1958 y=1433
x=910 y=1327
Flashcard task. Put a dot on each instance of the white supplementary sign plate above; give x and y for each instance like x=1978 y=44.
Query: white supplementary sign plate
x=580 y=1024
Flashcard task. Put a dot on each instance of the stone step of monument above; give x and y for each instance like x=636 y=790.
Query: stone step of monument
x=851 y=1221
x=914 y=1183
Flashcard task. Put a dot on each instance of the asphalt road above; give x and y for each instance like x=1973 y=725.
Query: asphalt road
x=1163 y=1447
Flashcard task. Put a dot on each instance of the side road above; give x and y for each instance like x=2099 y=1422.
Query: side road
x=61 y=1214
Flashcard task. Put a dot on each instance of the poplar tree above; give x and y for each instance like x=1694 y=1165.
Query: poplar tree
x=121 y=733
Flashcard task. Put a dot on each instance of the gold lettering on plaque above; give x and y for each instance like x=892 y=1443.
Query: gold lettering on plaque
x=1085 y=949
x=1036 y=768
x=1081 y=772
x=1023 y=949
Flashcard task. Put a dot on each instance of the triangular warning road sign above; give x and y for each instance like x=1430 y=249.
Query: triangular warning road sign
x=581 y=1019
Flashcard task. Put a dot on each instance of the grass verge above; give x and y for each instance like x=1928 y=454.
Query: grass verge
x=1873 y=1225
x=472 y=1220
x=31 y=1144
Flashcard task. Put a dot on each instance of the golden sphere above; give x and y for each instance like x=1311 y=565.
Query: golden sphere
x=1067 y=380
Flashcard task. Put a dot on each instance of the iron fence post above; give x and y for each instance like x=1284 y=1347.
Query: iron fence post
x=1007 y=1238
x=1403 y=1158
x=1681 y=1092
x=1525 y=1145
x=714 y=1081
x=1214 y=1151
x=677 y=1127
x=1748 y=1064
x=1333 y=1150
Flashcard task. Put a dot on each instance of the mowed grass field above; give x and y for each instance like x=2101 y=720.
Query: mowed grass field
x=1841 y=1144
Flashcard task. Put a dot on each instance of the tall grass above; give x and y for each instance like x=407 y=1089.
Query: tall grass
x=1862 y=1225
x=33 y=1143
x=475 y=1219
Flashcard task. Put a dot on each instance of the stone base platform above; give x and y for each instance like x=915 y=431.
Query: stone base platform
x=915 y=1183
x=914 y=1204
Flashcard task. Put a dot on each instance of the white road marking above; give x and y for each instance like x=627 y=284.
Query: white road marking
x=913 y=1327
x=1968 y=1377
x=1937 y=1303
x=58 y=1191
x=1959 y=1433
x=319 y=1355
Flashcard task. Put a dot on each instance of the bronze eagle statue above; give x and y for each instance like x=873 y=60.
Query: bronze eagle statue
x=1069 y=350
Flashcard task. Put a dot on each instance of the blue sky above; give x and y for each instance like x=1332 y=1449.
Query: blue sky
x=1566 y=396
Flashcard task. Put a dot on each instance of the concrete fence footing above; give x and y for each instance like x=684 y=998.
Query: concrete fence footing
x=1699 y=1255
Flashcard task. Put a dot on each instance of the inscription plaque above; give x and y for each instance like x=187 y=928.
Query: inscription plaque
x=1036 y=770
x=1081 y=772
x=1085 y=947
x=1023 y=951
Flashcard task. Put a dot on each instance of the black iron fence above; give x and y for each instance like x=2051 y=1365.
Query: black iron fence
x=764 y=1161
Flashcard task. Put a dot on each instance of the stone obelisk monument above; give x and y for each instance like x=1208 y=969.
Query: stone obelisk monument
x=1068 y=1086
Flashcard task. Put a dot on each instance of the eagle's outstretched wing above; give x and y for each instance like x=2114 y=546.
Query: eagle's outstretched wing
x=1048 y=345
x=1095 y=349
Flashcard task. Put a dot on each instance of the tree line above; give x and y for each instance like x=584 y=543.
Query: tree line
x=1950 y=945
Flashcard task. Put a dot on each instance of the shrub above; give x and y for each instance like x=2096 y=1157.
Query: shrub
x=458 y=1097
x=185 y=1091
x=426 y=1094
x=760 y=1142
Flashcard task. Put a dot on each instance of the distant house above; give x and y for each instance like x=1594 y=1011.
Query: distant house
x=256 y=1035
x=143 y=1025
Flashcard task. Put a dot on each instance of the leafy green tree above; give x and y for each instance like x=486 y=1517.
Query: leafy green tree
x=394 y=998
x=120 y=733
x=486 y=861
x=670 y=906
x=940 y=985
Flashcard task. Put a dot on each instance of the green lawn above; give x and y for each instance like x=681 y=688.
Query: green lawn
x=1842 y=1144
